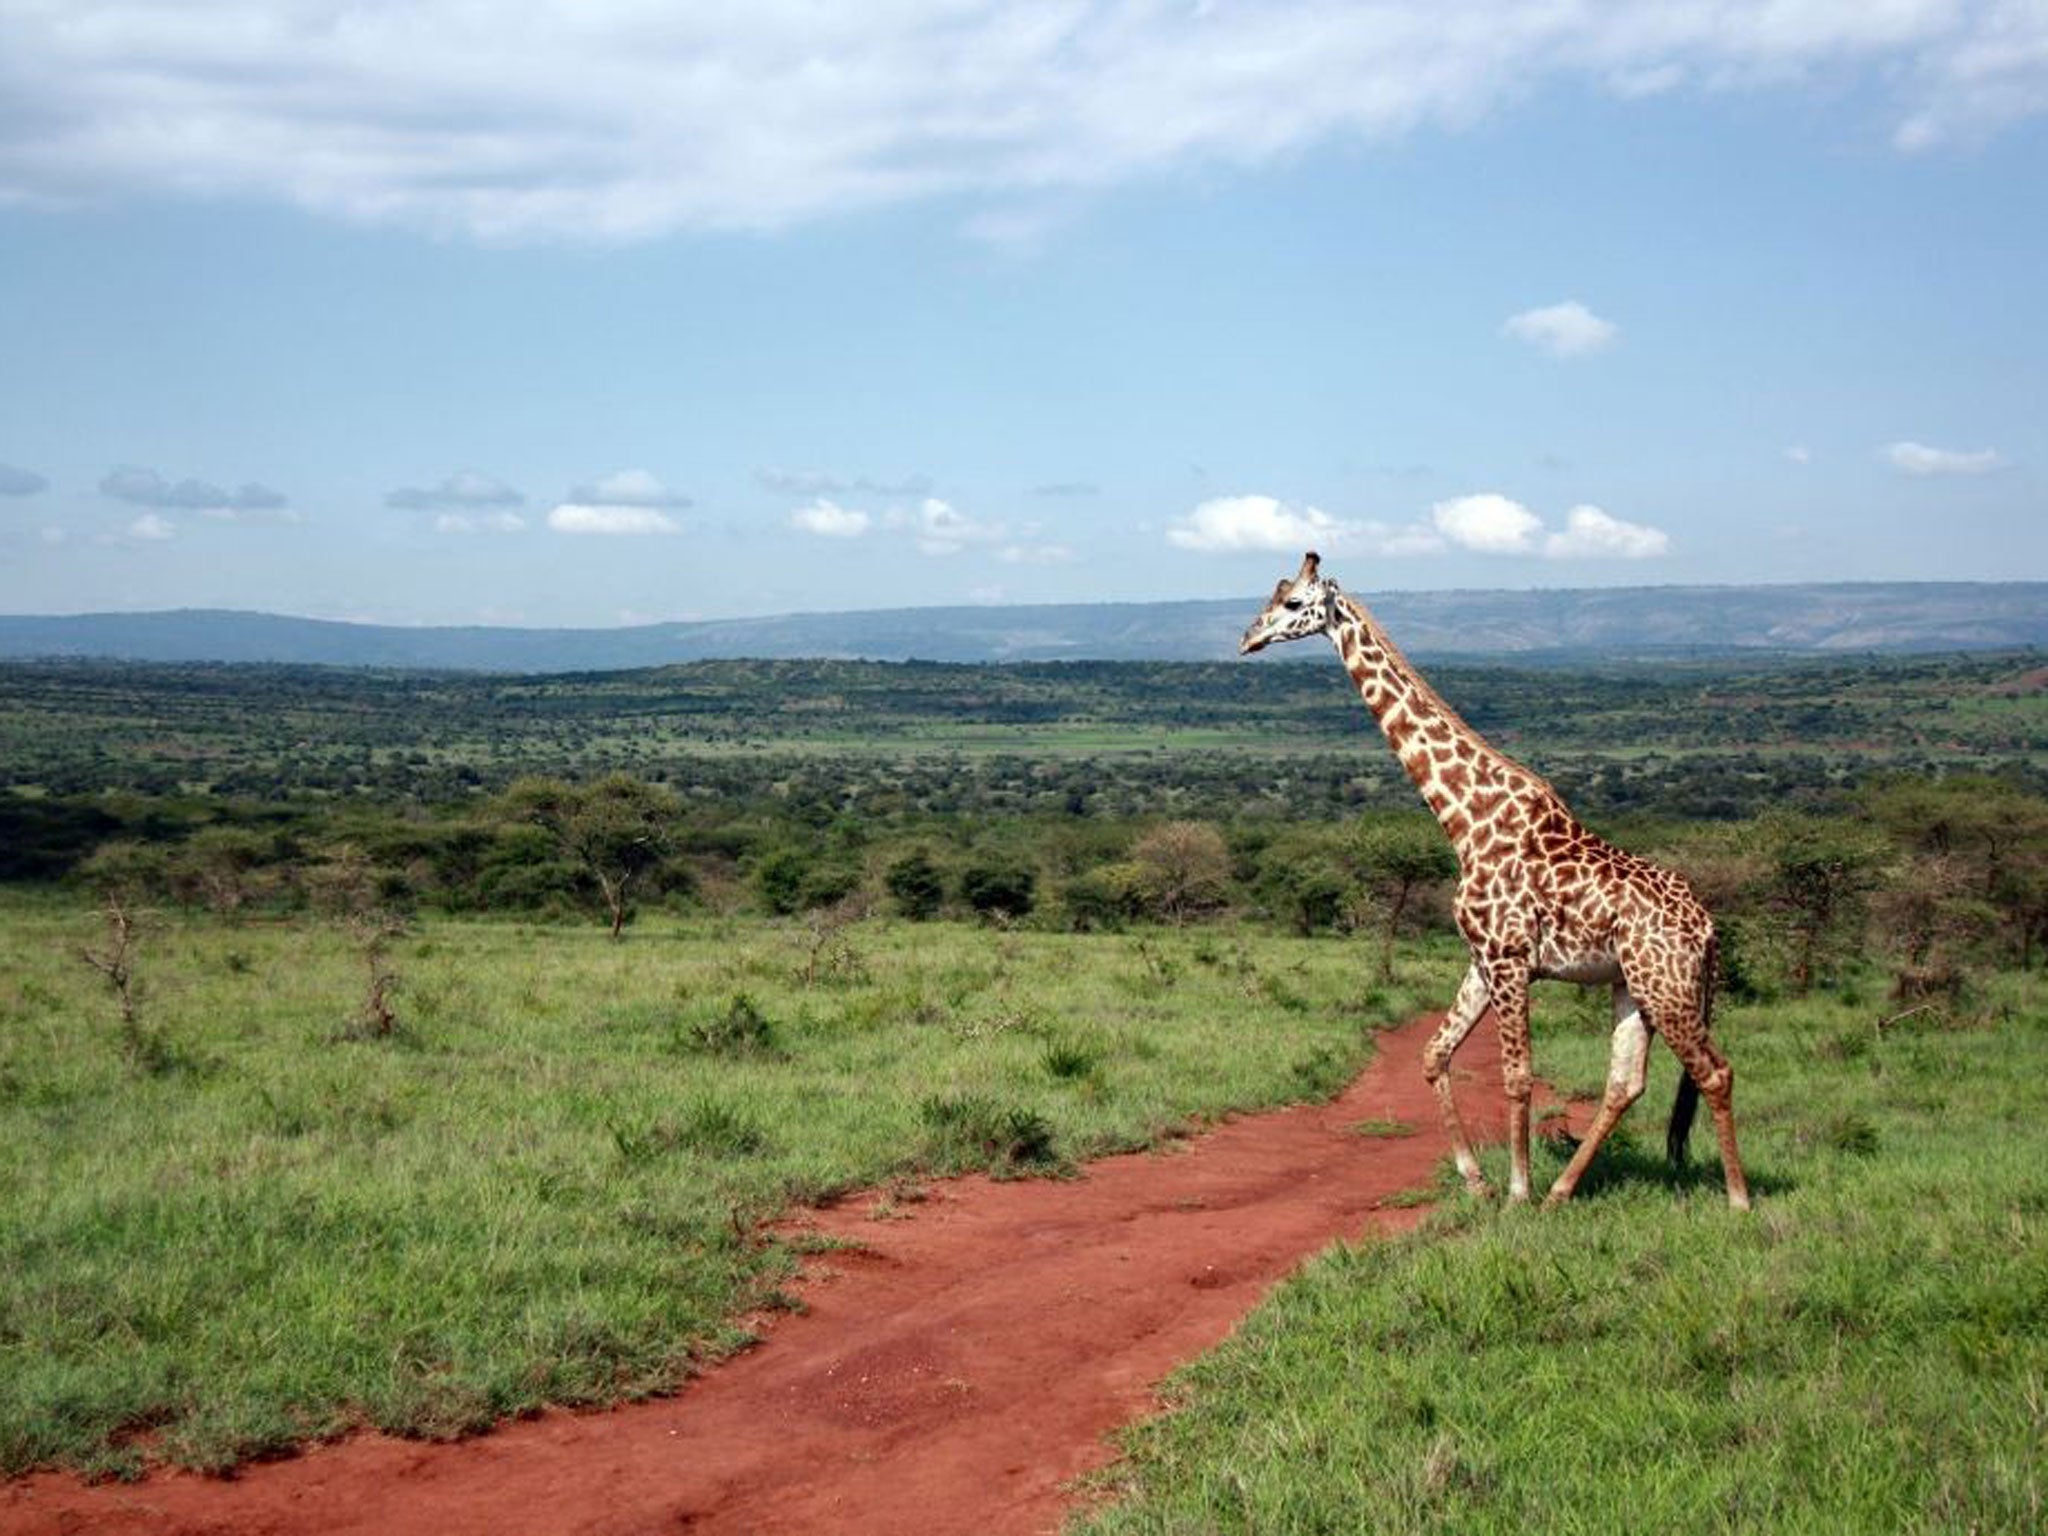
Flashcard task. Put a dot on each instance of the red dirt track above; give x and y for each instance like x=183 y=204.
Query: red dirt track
x=954 y=1376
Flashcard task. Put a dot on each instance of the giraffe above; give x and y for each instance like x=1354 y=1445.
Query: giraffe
x=1539 y=898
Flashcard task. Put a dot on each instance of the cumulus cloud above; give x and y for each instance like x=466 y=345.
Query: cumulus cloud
x=500 y=521
x=627 y=488
x=1488 y=522
x=1919 y=459
x=1229 y=524
x=613 y=119
x=1563 y=330
x=828 y=519
x=1591 y=534
x=464 y=488
x=21 y=482
x=147 y=488
x=151 y=527
x=1234 y=524
x=943 y=529
x=575 y=517
x=1799 y=453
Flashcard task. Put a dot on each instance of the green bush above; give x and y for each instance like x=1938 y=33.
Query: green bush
x=914 y=884
x=998 y=890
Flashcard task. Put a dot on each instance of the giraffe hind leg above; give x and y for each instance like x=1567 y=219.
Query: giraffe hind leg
x=1679 y=1009
x=1466 y=1008
x=1715 y=1078
x=1628 y=1069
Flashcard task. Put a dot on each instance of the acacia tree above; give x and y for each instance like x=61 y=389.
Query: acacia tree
x=1400 y=856
x=617 y=830
x=1820 y=875
x=347 y=885
x=1183 y=869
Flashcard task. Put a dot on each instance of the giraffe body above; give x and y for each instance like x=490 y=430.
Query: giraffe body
x=1540 y=897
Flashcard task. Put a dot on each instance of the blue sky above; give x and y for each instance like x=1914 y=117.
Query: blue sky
x=610 y=315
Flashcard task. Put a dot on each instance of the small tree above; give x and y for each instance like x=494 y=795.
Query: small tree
x=617 y=830
x=219 y=867
x=124 y=872
x=1302 y=879
x=1183 y=869
x=1819 y=874
x=348 y=886
x=998 y=890
x=1400 y=857
x=115 y=960
x=915 y=885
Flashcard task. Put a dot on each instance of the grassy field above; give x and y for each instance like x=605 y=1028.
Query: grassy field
x=1868 y=1351
x=246 y=1225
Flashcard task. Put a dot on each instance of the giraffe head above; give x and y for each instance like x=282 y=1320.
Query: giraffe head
x=1300 y=606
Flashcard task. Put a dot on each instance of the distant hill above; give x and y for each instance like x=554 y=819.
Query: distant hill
x=1587 y=622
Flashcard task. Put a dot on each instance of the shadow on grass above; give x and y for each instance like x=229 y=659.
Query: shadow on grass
x=1625 y=1164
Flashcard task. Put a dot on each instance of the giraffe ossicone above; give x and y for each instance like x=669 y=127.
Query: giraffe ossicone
x=1540 y=897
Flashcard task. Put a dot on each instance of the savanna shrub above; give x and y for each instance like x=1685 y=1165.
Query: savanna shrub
x=915 y=886
x=998 y=889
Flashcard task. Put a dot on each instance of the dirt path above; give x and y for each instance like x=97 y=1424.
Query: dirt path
x=954 y=1377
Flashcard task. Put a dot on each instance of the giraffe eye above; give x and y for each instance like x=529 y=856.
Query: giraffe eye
x=1291 y=604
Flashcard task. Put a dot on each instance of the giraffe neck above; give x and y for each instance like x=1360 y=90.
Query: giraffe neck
x=1460 y=774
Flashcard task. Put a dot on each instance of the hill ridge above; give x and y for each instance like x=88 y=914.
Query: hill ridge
x=1791 y=617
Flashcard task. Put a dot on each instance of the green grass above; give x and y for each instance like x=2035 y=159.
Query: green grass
x=1867 y=1351
x=549 y=1185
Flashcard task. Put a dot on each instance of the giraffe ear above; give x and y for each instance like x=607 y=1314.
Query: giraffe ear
x=1280 y=588
x=1309 y=562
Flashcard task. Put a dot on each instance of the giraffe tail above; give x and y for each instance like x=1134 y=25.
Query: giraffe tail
x=1687 y=1103
x=1683 y=1109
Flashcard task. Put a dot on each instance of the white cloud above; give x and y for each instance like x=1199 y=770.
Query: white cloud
x=943 y=529
x=1231 y=523
x=1563 y=330
x=1038 y=554
x=53 y=535
x=1919 y=459
x=576 y=517
x=627 y=488
x=1591 y=534
x=1799 y=453
x=152 y=526
x=464 y=488
x=1487 y=522
x=615 y=119
x=1657 y=80
x=830 y=520
x=479 y=522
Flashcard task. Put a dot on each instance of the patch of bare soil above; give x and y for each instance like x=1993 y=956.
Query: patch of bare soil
x=954 y=1374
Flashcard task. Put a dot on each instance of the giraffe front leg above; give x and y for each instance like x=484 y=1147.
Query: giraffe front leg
x=1508 y=982
x=1466 y=1008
